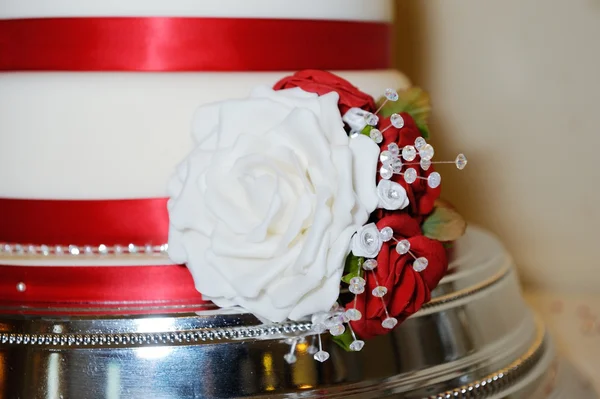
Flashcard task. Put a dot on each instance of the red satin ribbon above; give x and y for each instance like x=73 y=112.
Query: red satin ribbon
x=95 y=222
x=98 y=290
x=191 y=44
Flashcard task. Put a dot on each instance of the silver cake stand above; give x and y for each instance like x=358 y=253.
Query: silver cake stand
x=475 y=339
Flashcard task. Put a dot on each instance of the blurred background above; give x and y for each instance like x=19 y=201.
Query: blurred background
x=515 y=86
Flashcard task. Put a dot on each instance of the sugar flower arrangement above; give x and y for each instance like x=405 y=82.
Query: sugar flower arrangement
x=310 y=200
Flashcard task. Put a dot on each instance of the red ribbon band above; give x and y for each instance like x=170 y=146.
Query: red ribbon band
x=93 y=222
x=98 y=290
x=191 y=44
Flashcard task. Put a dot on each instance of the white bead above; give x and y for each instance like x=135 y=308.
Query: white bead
x=148 y=248
x=391 y=94
x=357 y=281
x=369 y=264
x=356 y=289
x=420 y=264
x=58 y=250
x=386 y=172
x=102 y=249
x=396 y=165
x=409 y=153
x=321 y=356
x=164 y=248
x=386 y=234
x=118 y=249
x=74 y=250
x=31 y=249
x=461 y=161
x=419 y=143
x=403 y=247
x=397 y=121
x=394 y=149
x=357 y=345
x=353 y=314
x=21 y=287
x=425 y=164
x=376 y=135
x=427 y=152
x=7 y=248
x=44 y=250
x=19 y=249
x=290 y=358
x=410 y=175
x=434 y=180
x=379 y=291
x=88 y=250
x=336 y=330
x=132 y=248
x=389 y=323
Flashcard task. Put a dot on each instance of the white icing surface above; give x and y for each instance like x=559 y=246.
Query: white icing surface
x=103 y=136
x=360 y=10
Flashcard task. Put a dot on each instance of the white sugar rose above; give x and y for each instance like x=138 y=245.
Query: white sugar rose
x=263 y=209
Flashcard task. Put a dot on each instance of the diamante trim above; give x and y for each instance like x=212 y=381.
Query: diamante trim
x=12 y=249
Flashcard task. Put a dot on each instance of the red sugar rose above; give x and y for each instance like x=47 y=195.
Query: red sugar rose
x=407 y=289
x=421 y=196
x=322 y=82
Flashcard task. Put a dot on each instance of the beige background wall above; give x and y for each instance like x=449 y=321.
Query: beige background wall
x=515 y=84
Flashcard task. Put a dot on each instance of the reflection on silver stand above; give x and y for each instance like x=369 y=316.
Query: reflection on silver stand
x=475 y=339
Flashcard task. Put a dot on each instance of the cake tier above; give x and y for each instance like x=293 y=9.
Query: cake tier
x=118 y=135
x=476 y=339
x=359 y=10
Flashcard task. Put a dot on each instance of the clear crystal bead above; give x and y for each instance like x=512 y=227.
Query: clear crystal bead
x=19 y=249
x=385 y=157
x=7 y=248
x=356 y=289
x=403 y=247
x=389 y=323
x=148 y=249
x=391 y=94
x=102 y=249
x=118 y=249
x=425 y=164
x=394 y=149
x=357 y=281
x=420 y=264
x=353 y=314
x=88 y=250
x=386 y=234
x=410 y=175
x=397 y=121
x=369 y=264
x=434 y=180
x=31 y=249
x=336 y=330
x=376 y=135
x=132 y=248
x=74 y=250
x=290 y=358
x=21 y=287
x=409 y=153
x=371 y=119
x=164 y=248
x=386 y=172
x=321 y=356
x=396 y=165
x=58 y=250
x=357 y=345
x=426 y=152
x=461 y=161
x=312 y=350
x=343 y=318
x=379 y=291
x=319 y=328
x=44 y=250
x=419 y=143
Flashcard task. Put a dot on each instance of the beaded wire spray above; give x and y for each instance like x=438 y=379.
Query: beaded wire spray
x=393 y=160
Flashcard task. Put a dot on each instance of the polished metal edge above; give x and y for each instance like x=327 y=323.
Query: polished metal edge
x=468 y=291
x=504 y=378
x=272 y=331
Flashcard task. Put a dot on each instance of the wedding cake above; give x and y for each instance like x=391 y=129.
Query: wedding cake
x=191 y=206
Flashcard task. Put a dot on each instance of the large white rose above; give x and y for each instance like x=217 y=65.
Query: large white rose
x=263 y=209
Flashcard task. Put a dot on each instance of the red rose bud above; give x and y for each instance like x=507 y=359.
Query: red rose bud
x=322 y=82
